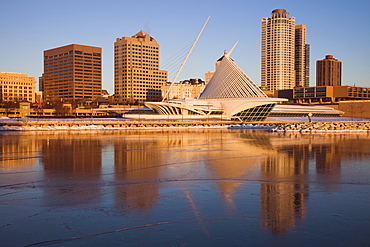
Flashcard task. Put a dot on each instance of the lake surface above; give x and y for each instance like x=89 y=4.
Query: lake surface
x=184 y=188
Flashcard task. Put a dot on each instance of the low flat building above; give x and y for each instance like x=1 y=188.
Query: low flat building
x=330 y=94
x=16 y=87
x=324 y=94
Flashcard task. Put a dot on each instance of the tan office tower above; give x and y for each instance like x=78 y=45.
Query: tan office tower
x=328 y=72
x=72 y=72
x=301 y=61
x=137 y=77
x=277 y=51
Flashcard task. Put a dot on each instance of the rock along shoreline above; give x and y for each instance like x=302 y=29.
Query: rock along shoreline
x=324 y=127
x=68 y=125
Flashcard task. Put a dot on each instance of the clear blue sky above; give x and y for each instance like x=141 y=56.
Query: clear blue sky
x=337 y=27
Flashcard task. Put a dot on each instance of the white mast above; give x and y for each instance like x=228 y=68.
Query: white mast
x=186 y=58
x=232 y=49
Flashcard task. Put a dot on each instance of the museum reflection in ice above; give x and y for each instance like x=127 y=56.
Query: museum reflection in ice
x=135 y=166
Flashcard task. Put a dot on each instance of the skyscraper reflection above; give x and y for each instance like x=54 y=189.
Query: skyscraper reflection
x=284 y=191
x=137 y=165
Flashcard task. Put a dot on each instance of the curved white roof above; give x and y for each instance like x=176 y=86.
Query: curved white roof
x=229 y=81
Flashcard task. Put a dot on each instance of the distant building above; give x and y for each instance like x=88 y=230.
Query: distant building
x=41 y=83
x=208 y=76
x=328 y=72
x=302 y=57
x=105 y=93
x=278 y=51
x=17 y=87
x=307 y=81
x=72 y=72
x=137 y=77
x=38 y=96
x=185 y=89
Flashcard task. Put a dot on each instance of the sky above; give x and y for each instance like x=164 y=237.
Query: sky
x=334 y=27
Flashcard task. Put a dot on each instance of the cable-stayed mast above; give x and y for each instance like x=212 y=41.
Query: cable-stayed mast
x=186 y=58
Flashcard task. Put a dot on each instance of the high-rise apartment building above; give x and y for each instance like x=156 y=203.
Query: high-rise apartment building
x=302 y=57
x=328 y=72
x=16 y=87
x=284 y=52
x=72 y=72
x=307 y=58
x=137 y=77
x=277 y=51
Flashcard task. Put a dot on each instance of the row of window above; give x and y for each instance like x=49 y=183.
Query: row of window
x=17 y=83
x=68 y=69
x=18 y=97
x=124 y=57
x=143 y=46
x=16 y=91
x=15 y=87
x=62 y=56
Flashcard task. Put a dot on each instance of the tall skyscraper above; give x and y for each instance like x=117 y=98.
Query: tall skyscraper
x=328 y=72
x=307 y=58
x=302 y=57
x=72 y=72
x=277 y=51
x=285 y=54
x=137 y=77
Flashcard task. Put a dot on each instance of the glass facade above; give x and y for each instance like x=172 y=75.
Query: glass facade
x=258 y=113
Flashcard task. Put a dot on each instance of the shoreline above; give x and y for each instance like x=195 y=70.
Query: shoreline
x=124 y=124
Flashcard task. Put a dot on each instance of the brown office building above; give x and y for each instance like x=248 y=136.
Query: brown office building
x=137 y=77
x=72 y=72
x=328 y=72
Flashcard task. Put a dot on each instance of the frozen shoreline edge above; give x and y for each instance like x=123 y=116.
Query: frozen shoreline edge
x=307 y=128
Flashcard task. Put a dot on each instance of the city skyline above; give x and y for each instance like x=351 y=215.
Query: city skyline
x=35 y=26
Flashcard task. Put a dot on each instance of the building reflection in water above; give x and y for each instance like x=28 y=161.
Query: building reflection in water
x=143 y=160
x=71 y=162
x=236 y=161
x=137 y=164
x=17 y=152
x=284 y=192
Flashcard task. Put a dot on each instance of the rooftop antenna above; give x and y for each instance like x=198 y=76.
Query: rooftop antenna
x=186 y=58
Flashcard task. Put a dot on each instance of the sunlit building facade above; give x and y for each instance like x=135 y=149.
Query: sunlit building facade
x=278 y=51
x=16 y=87
x=72 y=72
x=328 y=72
x=137 y=77
x=302 y=57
